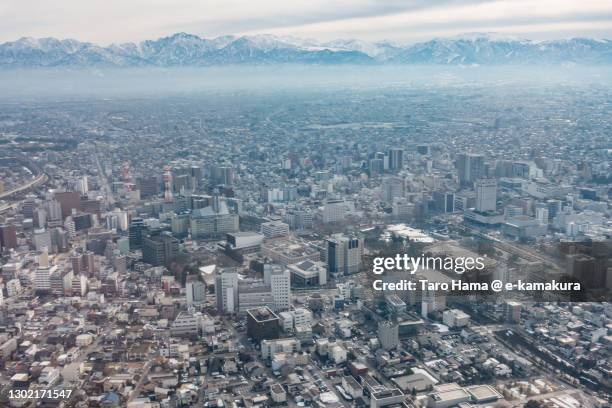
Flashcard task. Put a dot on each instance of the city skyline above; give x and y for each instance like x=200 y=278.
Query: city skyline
x=284 y=218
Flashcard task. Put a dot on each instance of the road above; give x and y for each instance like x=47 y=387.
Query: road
x=109 y=199
x=145 y=372
x=40 y=179
x=33 y=167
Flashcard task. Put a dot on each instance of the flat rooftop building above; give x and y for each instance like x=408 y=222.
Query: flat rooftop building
x=262 y=324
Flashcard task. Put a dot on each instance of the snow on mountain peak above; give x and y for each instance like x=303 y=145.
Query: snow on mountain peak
x=186 y=49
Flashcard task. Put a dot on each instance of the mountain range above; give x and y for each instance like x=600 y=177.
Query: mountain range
x=184 y=49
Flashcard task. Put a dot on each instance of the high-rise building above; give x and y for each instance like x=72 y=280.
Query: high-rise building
x=486 y=195
x=89 y=263
x=70 y=227
x=334 y=211
x=396 y=158
x=470 y=168
x=195 y=291
x=27 y=206
x=60 y=282
x=280 y=282
x=344 y=254
x=160 y=249
x=42 y=239
x=82 y=221
x=388 y=334
x=76 y=260
x=82 y=185
x=42 y=279
x=541 y=213
x=179 y=224
x=137 y=226
x=226 y=291
x=8 y=237
x=69 y=200
x=223 y=175
x=377 y=167
x=54 y=210
x=40 y=217
x=148 y=186
x=513 y=311
x=444 y=201
x=392 y=187
x=254 y=294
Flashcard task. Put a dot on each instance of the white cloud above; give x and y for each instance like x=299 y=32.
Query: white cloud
x=106 y=21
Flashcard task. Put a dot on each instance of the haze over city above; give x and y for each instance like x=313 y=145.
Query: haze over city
x=306 y=204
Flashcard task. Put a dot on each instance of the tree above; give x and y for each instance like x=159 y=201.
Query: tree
x=533 y=404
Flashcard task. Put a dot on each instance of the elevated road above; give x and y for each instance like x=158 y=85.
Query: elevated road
x=40 y=178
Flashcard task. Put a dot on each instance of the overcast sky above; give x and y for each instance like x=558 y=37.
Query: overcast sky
x=108 y=21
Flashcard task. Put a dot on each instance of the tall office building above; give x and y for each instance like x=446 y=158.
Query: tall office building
x=136 y=228
x=82 y=185
x=396 y=158
x=8 y=237
x=226 y=291
x=486 y=195
x=195 y=291
x=253 y=294
x=392 y=187
x=42 y=278
x=76 y=260
x=280 y=282
x=223 y=175
x=541 y=213
x=54 y=210
x=388 y=334
x=69 y=200
x=160 y=249
x=42 y=239
x=27 y=206
x=334 y=211
x=344 y=254
x=89 y=263
x=148 y=186
x=470 y=168
x=376 y=166
x=82 y=221
x=443 y=201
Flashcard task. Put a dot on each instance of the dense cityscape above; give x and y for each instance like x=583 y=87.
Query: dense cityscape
x=216 y=249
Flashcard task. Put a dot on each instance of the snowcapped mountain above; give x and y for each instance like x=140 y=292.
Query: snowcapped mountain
x=184 y=49
x=485 y=49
